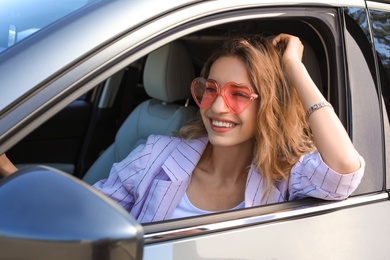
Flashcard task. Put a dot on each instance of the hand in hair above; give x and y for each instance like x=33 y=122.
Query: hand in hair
x=292 y=45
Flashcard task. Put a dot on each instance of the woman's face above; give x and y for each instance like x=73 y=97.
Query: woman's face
x=225 y=128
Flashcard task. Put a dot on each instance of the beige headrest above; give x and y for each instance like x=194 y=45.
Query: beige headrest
x=168 y=73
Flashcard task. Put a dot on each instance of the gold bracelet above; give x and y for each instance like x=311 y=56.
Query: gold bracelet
x=316 y=107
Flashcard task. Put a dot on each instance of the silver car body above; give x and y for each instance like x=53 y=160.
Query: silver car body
x=356 y=228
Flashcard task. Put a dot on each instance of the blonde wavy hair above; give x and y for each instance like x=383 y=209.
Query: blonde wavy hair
x=282 y=133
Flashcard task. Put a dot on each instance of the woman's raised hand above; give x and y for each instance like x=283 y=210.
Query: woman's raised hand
x=293 y=47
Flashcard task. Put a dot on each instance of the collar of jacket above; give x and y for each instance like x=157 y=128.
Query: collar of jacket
x=165 y=195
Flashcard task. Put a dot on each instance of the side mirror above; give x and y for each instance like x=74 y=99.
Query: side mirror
x=47 y=214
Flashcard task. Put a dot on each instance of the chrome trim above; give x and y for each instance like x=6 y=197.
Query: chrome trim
x=378 y=6
x=289 y=213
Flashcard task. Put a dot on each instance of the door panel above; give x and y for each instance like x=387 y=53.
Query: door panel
x=354 y=233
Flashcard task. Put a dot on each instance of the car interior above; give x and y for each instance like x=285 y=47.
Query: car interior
x=149 y=96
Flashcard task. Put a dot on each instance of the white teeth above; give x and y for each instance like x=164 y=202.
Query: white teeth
x=223 y=124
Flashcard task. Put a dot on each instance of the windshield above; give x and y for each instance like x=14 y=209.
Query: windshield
x=21 y=18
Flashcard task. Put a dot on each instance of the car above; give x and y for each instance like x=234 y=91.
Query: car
x=75 y=81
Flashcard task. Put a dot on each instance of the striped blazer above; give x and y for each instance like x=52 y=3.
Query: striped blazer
x=152 y=179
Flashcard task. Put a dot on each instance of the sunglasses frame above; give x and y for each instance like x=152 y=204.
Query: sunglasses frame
x=220 y=92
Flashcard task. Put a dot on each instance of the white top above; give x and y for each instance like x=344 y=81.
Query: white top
x=186 y=209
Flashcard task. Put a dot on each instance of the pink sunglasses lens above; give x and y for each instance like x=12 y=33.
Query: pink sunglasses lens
x=204 y=92
x=238 y=96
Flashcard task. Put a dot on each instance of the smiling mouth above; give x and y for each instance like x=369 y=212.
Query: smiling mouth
x=222 y=124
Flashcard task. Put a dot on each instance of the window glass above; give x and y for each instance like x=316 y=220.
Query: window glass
x=381 y=30
x=21 y=18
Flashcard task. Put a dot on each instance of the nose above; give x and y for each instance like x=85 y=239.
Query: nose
x=219 y=105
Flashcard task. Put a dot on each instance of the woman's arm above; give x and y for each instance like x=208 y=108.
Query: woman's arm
x=330 y=137
x=6 y=166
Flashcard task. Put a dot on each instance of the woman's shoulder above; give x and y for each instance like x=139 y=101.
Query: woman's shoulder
x=165 y=140
x=154 y=151
x=162 y=138
x=156 y=141
x=163 y=146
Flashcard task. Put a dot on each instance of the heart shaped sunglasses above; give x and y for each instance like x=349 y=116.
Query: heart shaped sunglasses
x=236 y=96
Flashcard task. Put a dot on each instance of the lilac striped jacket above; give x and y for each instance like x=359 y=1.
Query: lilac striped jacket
x=152 y=179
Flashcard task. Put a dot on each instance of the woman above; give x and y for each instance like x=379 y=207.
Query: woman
x=265 y=134
x=253 y=145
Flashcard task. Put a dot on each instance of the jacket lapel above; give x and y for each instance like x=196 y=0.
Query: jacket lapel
x=165 y=195
x=255 y=190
